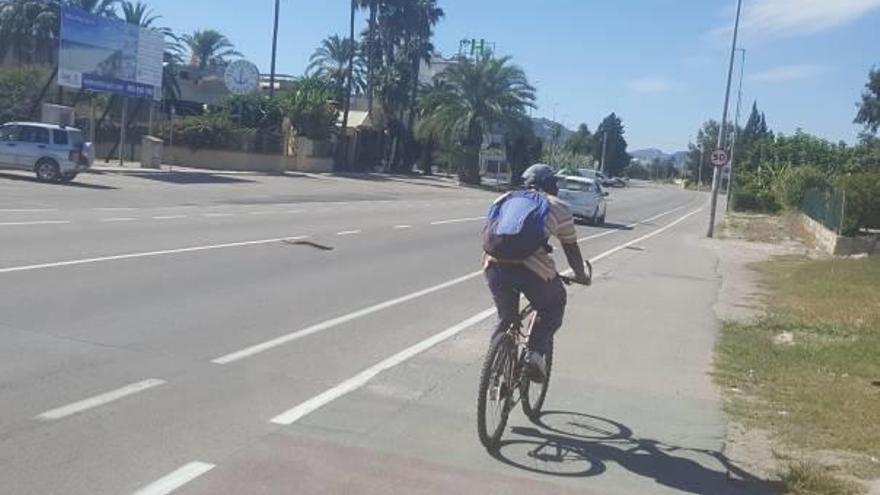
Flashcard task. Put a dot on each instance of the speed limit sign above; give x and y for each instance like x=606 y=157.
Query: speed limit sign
x=720 y=158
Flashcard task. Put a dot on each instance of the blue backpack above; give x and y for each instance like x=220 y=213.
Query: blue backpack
x=516 y=226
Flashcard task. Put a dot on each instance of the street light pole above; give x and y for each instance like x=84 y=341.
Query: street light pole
x=700 y=169
x=604 y=148
x=723 y=130
x=274 y=50
x=739 y=97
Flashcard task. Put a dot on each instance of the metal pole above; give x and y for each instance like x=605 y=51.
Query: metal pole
x=722 y=131
x=700 y=169
x=274 y=50
x=122 y=131
x=604 y=148
x=92 y=132
x=739 y=97
x=349 y=74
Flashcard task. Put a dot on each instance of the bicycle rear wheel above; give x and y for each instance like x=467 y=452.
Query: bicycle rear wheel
x=533 y=394
x=497 y=384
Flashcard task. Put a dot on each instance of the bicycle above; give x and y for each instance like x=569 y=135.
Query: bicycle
x=503 y=378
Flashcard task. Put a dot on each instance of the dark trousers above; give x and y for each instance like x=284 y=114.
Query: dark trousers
x=508 y=281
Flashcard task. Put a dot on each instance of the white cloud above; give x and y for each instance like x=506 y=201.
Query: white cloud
x=649 y=85
x=788 y=73
x=789 y=18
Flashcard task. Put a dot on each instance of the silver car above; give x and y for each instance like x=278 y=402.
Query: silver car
x=54 y=153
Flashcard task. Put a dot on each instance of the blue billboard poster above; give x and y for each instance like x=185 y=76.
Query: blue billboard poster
x=109 y=56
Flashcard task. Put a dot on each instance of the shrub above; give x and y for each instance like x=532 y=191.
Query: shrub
x=755 y=201
x=310 y=106
x=211 y=130
x=19 y=89
x=862 y=207
x=791 y=186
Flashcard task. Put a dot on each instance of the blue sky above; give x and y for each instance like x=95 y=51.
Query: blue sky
x=660 y=64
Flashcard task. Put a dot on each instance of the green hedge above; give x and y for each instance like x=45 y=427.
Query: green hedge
x=862 y=207
x=791 y=186
x=211 y=130
x=760 y=202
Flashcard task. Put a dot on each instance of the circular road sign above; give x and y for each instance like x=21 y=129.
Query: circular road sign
x=720 y=158
x=242 y=77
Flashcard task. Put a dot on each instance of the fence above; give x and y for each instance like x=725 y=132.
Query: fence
x=827 y=207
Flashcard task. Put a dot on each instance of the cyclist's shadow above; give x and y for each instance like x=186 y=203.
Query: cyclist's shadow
x=580 y=445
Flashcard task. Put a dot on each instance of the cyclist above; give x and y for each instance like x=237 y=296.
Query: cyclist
x=517 y=259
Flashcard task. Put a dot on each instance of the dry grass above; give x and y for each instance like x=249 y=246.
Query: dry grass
x=819 y=386
x=807 y=478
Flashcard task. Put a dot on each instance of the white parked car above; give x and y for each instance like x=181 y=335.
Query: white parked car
x=54 y=153
x=585 y=197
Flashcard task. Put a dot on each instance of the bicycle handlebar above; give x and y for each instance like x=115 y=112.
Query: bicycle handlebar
x=571 y=281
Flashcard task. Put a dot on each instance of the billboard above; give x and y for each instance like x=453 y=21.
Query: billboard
x=110 y=56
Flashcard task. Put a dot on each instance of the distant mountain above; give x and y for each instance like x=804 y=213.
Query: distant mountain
x=649 y=155
x=545 y=128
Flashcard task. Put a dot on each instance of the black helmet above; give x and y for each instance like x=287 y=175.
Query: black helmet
x=541 y=177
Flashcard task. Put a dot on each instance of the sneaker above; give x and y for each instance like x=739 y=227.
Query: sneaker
x=536 y=367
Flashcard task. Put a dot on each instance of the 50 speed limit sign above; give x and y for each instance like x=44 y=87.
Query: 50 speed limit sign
x=720 y=158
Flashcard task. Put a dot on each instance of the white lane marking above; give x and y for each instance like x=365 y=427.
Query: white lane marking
x=148 y=254
x=458 y=220
x=401 y=227
x=349 y=232
x=325 y=325
x=99 y=400
x=263 y=212
x=320 y=327
x=114 y=209
x=27 y=210
x=169 y=217
x=359 y=380
x=118 y=219
x=294 y=212
x=218 y=215
x=175 y=479
x=36 y=222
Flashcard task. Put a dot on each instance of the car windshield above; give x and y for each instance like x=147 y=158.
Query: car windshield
x=347 y=247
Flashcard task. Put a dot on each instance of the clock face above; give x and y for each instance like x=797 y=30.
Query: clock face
x=242 y=77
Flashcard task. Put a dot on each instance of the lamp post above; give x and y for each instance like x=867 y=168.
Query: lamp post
x=274 y=50
x=723 y=129
x=739 y=97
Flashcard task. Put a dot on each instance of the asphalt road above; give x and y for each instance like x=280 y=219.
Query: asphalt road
x=303 y=334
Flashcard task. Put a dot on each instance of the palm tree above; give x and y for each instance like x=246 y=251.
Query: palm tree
x=106 y=8
x=140 y=14
x=330 y=63
x=208 y=47
x=29 y=30
x=476 y=97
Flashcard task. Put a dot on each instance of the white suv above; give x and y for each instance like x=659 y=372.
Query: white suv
x=55 y=153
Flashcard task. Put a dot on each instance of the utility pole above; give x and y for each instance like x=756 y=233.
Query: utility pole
x=700 y=169
x=739 y=97
x=723 y=130
x=349 y=71
x=604 y=149
x=274 y=50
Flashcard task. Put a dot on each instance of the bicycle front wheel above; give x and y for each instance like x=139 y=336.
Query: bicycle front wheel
x=497 y=384
x=533 y=394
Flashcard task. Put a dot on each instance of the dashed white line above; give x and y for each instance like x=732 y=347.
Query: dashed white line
x=320 y=327
x=402 y=227
x=28 y=210
x=148 y=254
x=294 y=212
x=168 y=217
x=263 y=212
x=115 y=208
x=458 y=220
x=349 y=232
x=294 y=414
x=118 y=219
x=99 y=400
x=359 y=380
x=218 y=215
x=176 y=479
x=36 y=222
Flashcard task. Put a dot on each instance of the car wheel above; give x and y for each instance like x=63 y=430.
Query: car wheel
x=594 y=220
x=69 y=176
x=602 y=219
x=47 y=170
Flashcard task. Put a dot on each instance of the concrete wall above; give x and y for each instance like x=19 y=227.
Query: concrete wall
x=250 y=162
x=836 y=245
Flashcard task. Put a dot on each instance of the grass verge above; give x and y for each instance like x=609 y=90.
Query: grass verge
x=810 y=370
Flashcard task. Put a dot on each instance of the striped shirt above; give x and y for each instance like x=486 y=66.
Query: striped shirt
x=560 y=224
